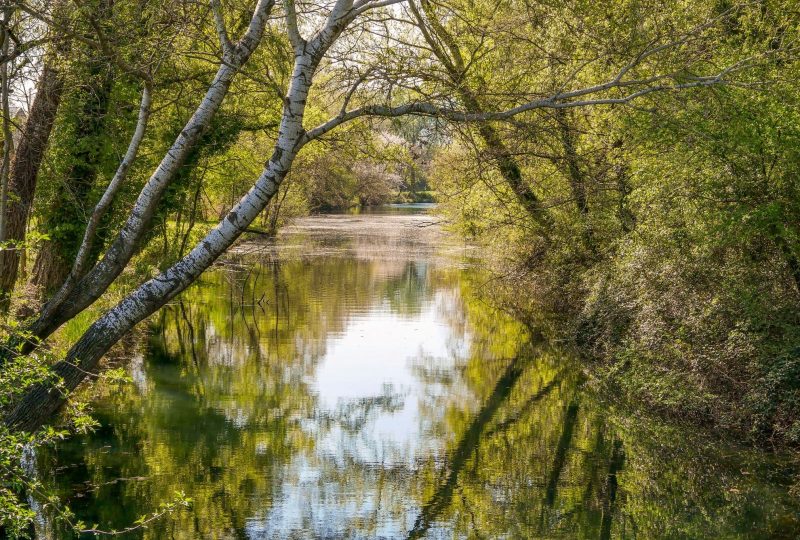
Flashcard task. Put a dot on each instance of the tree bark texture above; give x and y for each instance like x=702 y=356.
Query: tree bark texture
x=42 y=401
x=25 y=171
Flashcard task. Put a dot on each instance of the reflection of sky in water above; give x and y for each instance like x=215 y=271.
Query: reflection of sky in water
x=368 y=413
x=342 y=383
x=311 y=507
x=376 y=354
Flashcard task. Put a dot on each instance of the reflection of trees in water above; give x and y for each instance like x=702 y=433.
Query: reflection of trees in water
x=524 y=462
x=541 y=456
x=469 y=443
x=353 y=415
x=186 y=436
x=560 y=455
x=406 y=293
x=510 y=448
x=227 y=393
x=547 y=459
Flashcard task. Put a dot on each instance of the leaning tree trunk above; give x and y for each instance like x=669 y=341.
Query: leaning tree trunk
x=42 y=401
x=24 y=173
x=577 y=177
x=446 y=49
x=74 y=297
x=508 y=167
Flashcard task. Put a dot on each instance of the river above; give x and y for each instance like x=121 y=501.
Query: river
x=347 y=380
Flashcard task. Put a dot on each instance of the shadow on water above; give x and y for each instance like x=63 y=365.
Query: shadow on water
x=348 y=381
x=469 y=444
x=561 y=453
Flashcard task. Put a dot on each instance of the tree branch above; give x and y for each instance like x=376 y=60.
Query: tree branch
x=219 y=25
x=292 y=29
x=557 y=101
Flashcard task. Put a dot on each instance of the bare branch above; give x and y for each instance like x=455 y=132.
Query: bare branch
x=366 y=5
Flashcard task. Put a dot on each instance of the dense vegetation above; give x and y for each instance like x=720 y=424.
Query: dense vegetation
x=632 y=167
x=669 y=248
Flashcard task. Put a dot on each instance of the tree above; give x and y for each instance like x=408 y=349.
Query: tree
x=27 y=160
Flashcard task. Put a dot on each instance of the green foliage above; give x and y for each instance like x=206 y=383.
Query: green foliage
x=680 y=279
x=663 y=238
x=18 y=450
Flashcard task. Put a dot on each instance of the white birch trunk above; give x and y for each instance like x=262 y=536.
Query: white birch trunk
x=66 y=305
x=42 y=401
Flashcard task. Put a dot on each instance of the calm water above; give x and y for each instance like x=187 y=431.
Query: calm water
x=348 y=382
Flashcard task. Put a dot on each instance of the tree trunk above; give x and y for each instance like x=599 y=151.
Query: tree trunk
x=577 y=179
x=42 y=401
x=625 y=215
x=792 y=262
x=7 y=139
x=54 y=259
x=24 y=173
x=454 y=66
x=507 y=165
x=576 y=175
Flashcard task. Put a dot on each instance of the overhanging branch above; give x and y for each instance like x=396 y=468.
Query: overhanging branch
x=562 y=100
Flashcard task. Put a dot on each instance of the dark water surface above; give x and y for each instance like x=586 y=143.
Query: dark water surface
x=348 y=382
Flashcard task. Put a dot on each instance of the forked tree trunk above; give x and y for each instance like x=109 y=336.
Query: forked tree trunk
x=42 y=401
x=75 y=297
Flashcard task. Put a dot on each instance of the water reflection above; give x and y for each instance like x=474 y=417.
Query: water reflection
x=347 y=393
